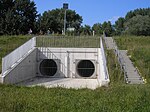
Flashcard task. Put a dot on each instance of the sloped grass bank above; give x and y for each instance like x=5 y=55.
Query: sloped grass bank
x=139 y=51
x=120 y=98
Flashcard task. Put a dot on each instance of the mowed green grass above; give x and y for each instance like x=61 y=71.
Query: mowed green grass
x=139 y=50
x=117 y=97
x=120 y=98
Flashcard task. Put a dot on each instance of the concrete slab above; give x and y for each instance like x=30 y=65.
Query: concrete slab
x=110 y=43
x=62 y=82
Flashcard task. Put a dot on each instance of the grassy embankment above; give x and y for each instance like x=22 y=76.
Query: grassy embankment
x=115 y=98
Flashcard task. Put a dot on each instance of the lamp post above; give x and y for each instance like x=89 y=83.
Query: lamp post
x=65 y=7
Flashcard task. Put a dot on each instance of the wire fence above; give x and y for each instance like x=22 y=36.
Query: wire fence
x=76 y=42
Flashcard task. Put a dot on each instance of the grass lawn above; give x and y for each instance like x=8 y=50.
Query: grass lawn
x=118 y=97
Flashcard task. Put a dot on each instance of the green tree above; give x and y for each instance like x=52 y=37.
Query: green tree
x=142 y=12
x=138 y=25
x=97 y=27
x=17 y=16
x=26 y=15
x=53 y=20
x=119 y=25
x=107 y=28
x=136 y=22
x=85 y=30
x=6 y=13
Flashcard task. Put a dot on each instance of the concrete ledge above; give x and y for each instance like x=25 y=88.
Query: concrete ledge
x=105 y=83
x=1 y=78
x=62 y=82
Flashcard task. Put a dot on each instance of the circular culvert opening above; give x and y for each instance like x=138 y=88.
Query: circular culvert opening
x=85 y=68
x=48 y=67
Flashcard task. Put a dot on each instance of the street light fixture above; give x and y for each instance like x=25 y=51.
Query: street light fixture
x=65 y=7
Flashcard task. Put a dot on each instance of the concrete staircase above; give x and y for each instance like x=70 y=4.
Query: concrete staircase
x=131 y=74
x=109 y=43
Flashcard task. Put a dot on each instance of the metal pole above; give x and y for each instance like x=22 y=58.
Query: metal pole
x=65 y=23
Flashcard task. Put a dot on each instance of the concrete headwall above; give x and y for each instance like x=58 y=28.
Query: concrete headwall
x=28 y=67
x=69 y=56
x=24 y=70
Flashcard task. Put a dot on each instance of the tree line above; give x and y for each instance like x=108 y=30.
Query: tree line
x=136 y=22
x=17 y=16
x=21 y=16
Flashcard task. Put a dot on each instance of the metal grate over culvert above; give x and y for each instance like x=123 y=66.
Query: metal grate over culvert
x=85 y=68
x=48 y=67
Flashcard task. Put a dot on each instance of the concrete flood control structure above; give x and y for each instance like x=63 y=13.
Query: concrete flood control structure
x=52 y=62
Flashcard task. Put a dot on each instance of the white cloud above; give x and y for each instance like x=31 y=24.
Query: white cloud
x=113 y=19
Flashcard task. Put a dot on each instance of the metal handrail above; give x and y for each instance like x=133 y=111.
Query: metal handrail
x=60 y=62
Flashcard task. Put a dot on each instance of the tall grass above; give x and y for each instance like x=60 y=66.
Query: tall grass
x=139 y=50
x=114 y=69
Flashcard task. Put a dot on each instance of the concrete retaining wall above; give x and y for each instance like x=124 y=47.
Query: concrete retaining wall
x=17 y=54
x=24 y=70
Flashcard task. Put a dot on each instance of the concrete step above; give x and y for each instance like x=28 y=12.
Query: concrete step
x=132 y=74
x=133 y=78
x=62 y=82
x=135 y=82
x=110 y=43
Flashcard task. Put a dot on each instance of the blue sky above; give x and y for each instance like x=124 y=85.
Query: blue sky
x=93 y=11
